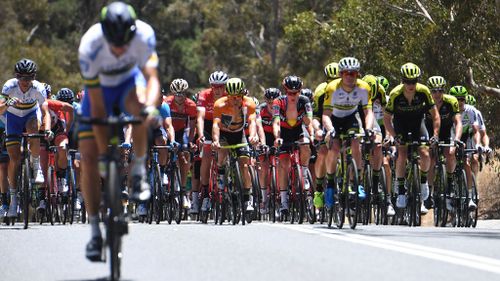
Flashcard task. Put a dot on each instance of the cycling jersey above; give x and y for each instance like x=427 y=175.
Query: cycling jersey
x=469 y=119
x=447 y=111
x=100 y=67
x=319 y=99
x=379 y=101
x=303 y=110
x=29 y=101
x=344 y=104
x=480 y=120
x=266 y=117
x=233 y=119
x=403 y=110
x=206 y=101
x=180 y=118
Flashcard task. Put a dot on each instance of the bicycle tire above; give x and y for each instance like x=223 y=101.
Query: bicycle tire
x=114 y=204
x=273 y=195
x=151 y=201
x=50 y=212
x=473 y=215
x=441 y=212
x=26 y=185
x=463 y=199
x=309 y=207
x=177 y=202
x=417 y=218
x=352 y=217
x=337 y=213
x=240 y=188
x=300 y=195
x=366 y=204
x=72 y=189
x=159 y=193
x=380 y=202
x=254 y=177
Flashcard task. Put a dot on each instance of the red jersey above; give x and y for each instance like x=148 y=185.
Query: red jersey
x=206 y=99
x=180 y=118
x=55 y=109
x=304 y=109
x=266 y=116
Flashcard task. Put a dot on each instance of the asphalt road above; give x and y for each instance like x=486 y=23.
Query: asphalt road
x=259 y=251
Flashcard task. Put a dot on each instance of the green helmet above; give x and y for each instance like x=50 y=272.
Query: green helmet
x=470 y=100
x=384 y=82
x=410 y=71
x=458 y=91
x=235 y=86
x=436 y=82
x=373 y=82
x=332 y=70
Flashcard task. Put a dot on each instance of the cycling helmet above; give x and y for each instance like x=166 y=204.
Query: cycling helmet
x=373 y=82
x=48 y=88
x=235 y=86
x=436 y=82
x=66 y=95
x=458 y=91
x=384 y=82
x=179 y=86
x=25 y=67
x=292 y=82
x=218 y=78
x=118 y=23
x=349 y=64
x=272 y=93
x=470 y=100
x=308 y=93
x=410 y=71
x=332 y=70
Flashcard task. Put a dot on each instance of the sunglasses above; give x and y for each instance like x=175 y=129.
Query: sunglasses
x=461 y=99
x=410 y=82
x=25 y=77
x=437 y=91
x=217 y=86
x=349 y=73
x=292 y=92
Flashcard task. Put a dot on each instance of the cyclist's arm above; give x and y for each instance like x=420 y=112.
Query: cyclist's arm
x=153 y=88
x=327 y=121
x=436 y=120
x=68 y=108
x=276 y=127
x=167 y=124
x=192 y=126
x=368 y=118
x=389 y=128
x=485 y=139
x=476 y=135
x=457 y=120
x=46 y=115
x=128 y=134
x=215 y=130
x=3 y=105
x=200 y=120
x=260 y=131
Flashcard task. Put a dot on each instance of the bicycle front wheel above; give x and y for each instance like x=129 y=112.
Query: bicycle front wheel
x=351 y=185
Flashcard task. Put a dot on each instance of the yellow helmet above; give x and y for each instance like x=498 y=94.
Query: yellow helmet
x=332 y=70
x=435 y=82
x=410 y=71
x=234 y=86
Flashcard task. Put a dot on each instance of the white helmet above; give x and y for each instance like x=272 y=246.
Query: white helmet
x=179 y=86
x=218 y=78
x=349 y=64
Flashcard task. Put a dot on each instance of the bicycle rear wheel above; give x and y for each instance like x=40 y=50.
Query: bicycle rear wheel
x=463 y=196
x=273 y=195
x=472 y=218
x=239 y=188
x=366 y=204
x=415 y=218
x=72 y=196
x=26 y=197
x=116 y=225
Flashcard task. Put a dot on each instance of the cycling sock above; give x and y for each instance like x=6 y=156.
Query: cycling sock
x=319 y=184
x=95 y=231
x=330 y=180
x=423 y=177
x=13 y=196
x=195 y=195
x=36 y=161
x=264 y=195
x=4 y=198
x=284 y=196
x=139 y=166
x=400 y=183
x=376 y=178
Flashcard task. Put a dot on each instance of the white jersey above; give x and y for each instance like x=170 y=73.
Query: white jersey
x=469 y=117
x=29 y=101
x=343 y=103
x=378 y=112
x=480 y=119
x=100 y=67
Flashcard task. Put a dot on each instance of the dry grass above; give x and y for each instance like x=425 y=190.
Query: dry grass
x=488 y=183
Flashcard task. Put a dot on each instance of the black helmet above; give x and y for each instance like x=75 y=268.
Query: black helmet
x=118 y=23
x=25 y=67
x=66 y=95
x=272 y=93
x=308 y=93
x=292 y=82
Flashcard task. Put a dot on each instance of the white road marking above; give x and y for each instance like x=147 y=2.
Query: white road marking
x=453 y=257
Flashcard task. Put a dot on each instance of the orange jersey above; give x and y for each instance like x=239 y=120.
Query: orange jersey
x=230 y=116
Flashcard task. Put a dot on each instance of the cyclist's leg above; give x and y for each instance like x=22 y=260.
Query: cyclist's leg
x=424 y=164
x=61 y=141
x=4 y=181
x=320 y=173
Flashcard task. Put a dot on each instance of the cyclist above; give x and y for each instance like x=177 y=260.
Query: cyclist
x=61 y=115
x=291 y=110
x=485 y=139
x=204 y=122
x=25 y=98
x=404 y=114
x=470 y=134
x=379 y=101
x=115 y=55
x=265 y=121
x=324 y=155
x=340 y=116
x=449 y=131
x=183 y=111
x=231 y=113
